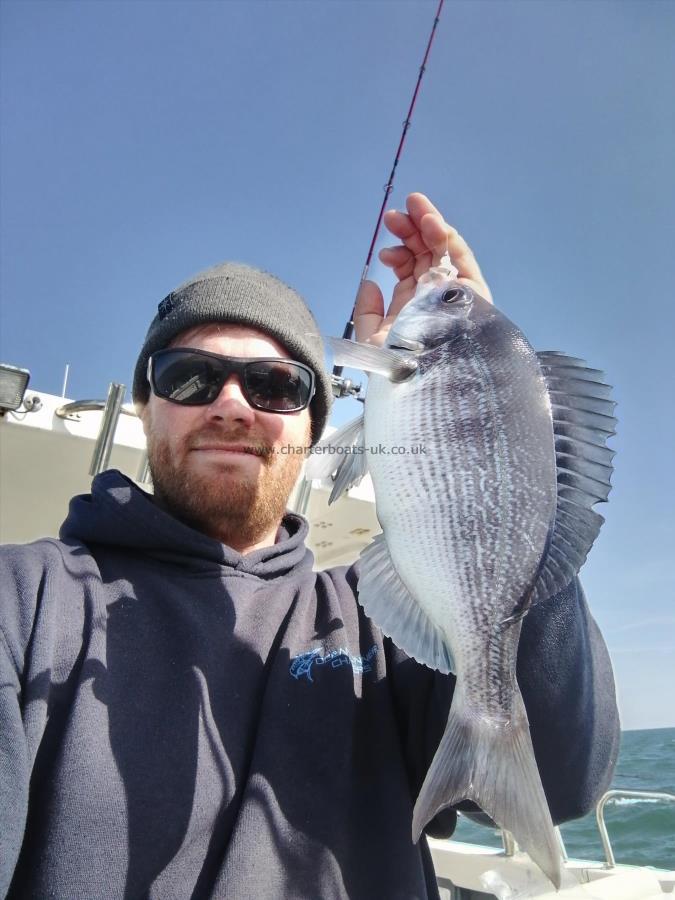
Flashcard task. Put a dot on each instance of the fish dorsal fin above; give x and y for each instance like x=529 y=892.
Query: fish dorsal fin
x=388 y=602
x=342 y=455
x=393 y=364
x=583 y=420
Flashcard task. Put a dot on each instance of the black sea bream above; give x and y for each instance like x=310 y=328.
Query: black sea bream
x=492 y=514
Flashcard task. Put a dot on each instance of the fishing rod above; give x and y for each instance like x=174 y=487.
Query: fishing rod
x=342 y=387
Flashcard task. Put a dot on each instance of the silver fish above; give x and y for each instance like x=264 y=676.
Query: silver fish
x=493 y=515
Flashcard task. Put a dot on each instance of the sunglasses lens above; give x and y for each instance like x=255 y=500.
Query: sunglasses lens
x=195 y=378
x=278 y=386
x=186 y=378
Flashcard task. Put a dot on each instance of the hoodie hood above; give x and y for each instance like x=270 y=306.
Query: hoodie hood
x=120 y=515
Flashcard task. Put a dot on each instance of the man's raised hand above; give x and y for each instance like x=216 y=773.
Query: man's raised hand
x=425 y=237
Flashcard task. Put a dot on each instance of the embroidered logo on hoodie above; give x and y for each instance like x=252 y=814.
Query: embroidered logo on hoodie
x=303 y=665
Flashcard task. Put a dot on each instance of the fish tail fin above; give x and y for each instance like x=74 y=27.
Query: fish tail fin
x=493 y=765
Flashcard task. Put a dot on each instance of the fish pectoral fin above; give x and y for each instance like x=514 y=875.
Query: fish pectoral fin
x=583 y=421
x=389 y=603
x=342 y=455
x=493 y=764
x=393 y=364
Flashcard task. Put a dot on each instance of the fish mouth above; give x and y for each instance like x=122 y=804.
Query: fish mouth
x=401 y=343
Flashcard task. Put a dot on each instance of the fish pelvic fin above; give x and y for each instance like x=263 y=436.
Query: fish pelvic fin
x=388 y=602
x=492 y=764
x=393 y=364
x=341 y=456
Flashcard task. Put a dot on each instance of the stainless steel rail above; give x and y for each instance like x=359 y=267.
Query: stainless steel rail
x=106 y=435
x=511 y=847
x=302 y=499
x=112 y=409
x=600 y=815
x=71 y=410
x=143 y=475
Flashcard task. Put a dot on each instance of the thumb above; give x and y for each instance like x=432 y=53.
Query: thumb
x=368 y=310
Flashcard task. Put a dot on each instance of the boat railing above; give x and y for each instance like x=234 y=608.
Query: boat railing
x=511 y=847
x=112 y=409
x=610 y=861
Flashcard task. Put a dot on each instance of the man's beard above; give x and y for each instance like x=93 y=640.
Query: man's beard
x=237 y=510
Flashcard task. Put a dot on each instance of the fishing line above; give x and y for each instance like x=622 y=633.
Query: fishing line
x=349 y=327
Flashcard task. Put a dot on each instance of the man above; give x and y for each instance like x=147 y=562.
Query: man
x=175 y=716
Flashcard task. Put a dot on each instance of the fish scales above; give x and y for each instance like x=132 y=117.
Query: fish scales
x=469 y=539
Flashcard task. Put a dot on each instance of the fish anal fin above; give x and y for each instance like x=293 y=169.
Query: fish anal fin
x=341 y=455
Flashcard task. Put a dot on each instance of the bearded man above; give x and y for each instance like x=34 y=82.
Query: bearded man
x=187 y=709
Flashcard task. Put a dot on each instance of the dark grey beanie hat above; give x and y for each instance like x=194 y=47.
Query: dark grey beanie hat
x=241 y=295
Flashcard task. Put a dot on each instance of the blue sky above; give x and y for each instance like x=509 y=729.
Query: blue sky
x=144 y=141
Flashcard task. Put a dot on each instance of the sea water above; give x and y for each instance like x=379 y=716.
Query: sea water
x=642 y=832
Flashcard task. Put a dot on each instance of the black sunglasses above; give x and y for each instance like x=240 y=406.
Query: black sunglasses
x=196 y=377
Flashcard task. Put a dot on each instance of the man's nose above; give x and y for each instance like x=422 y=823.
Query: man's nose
x=231 y=404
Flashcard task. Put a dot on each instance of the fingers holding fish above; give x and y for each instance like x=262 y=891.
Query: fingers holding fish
x=405 y=263
x=422 y=229
x=403 y=227
x=426 y=237
x=400 y=260
x=466 y=264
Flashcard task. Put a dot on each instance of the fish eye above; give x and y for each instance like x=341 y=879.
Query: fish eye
x=451 y=295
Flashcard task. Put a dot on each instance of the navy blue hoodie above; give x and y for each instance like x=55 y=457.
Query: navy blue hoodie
x=178 y=720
